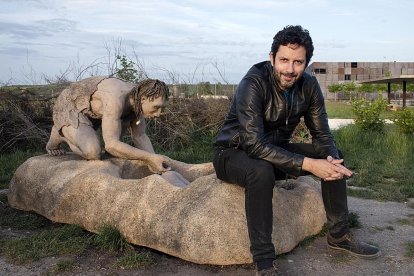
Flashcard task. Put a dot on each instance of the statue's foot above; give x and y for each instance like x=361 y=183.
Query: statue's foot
x=56 y=152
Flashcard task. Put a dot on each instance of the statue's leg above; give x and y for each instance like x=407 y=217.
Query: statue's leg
x=83 y=141
x=52 y=146
x=175 y=179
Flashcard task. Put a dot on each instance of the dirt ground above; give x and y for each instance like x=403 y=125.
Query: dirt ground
x=389 y=225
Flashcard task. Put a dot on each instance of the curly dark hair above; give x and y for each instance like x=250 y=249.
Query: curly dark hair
x=149 y=88
x=293 y=35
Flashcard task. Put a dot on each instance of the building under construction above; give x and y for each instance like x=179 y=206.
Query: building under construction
x=329 y=73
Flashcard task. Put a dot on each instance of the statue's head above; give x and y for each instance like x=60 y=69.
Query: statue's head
x=149 y=97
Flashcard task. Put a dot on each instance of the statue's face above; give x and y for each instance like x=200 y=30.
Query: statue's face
x=154 y=108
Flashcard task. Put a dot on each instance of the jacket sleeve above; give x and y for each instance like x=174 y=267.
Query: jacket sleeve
x=250 y=103
x=316 y=120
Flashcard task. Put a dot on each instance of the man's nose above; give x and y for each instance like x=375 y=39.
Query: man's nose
x=290 y=67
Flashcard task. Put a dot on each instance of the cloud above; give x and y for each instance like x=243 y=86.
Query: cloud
x=331 y=44
x=17 y=51
x=36 y=29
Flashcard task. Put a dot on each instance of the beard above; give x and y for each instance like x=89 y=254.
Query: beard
x=285 y=80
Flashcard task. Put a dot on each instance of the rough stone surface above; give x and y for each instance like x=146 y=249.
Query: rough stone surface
x=203 y=223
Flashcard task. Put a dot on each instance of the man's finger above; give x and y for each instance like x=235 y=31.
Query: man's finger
x=344 y=170
x=337 y=161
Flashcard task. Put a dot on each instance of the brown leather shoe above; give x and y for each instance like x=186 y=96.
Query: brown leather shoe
x=350 y=244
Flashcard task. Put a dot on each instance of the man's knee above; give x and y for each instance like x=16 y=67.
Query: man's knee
x=261 y=175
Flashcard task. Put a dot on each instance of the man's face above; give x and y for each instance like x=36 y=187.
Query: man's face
x=288 y=64
x=154 y=108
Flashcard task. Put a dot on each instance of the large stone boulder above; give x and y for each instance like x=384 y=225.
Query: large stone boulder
x=203 y=223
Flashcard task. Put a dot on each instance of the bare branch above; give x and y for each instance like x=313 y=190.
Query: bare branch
x=220 y=71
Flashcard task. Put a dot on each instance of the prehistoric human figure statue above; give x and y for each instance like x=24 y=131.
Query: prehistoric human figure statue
x=116 y=106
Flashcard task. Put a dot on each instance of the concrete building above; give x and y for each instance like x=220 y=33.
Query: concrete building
x=341 y=72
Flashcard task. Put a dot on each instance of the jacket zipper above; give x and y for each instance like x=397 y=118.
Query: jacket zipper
x=289 y=111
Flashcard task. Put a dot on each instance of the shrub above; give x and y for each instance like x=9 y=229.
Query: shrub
x=187 y=121
x=25 y=119
x=367 y=113
x=404 y=119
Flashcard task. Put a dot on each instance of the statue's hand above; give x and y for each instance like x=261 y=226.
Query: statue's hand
x=158 y=164
x=56 y=152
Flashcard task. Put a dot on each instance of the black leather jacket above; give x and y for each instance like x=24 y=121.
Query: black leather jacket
x=260 y=123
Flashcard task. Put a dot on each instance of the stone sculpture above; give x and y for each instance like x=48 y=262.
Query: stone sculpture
x=203 y=222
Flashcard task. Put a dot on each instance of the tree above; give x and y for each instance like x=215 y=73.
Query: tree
x=335 y=88
x=127 y=70
x=350 y=88
x=204 y=88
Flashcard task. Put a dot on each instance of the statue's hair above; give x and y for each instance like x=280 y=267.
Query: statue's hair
x=149 y=88
x=293 y=35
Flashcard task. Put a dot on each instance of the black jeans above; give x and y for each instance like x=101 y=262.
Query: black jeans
x=258 y=177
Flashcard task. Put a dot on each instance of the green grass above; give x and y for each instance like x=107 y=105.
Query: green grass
x=68 y=239
x=353 y=220
x=343 y=110
x=132 y=259
x=10 y=162
x=110 y=239
x=339 y=110
x=51 y=239
x=201 y=151
x=382 y=162
x=63 y=266
x=409 y=249
x=11 y=218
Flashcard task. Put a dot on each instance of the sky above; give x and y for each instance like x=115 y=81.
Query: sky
x=190 y=41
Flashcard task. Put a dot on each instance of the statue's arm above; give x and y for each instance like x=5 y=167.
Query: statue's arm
x=111 y=133
x=139 y=136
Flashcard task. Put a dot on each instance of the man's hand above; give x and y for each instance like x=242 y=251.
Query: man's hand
x=158 y=163
x=328 y=169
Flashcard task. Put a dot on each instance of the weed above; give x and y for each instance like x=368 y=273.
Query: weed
x=377 y=228
x=63 y=266
x=353 y=220
x=409 y=247
x=132 y=259
x=405 y=221
x=109 y=238
x=389 y=227
x=309 y=240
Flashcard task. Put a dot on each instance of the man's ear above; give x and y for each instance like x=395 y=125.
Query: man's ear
x=271 y=57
